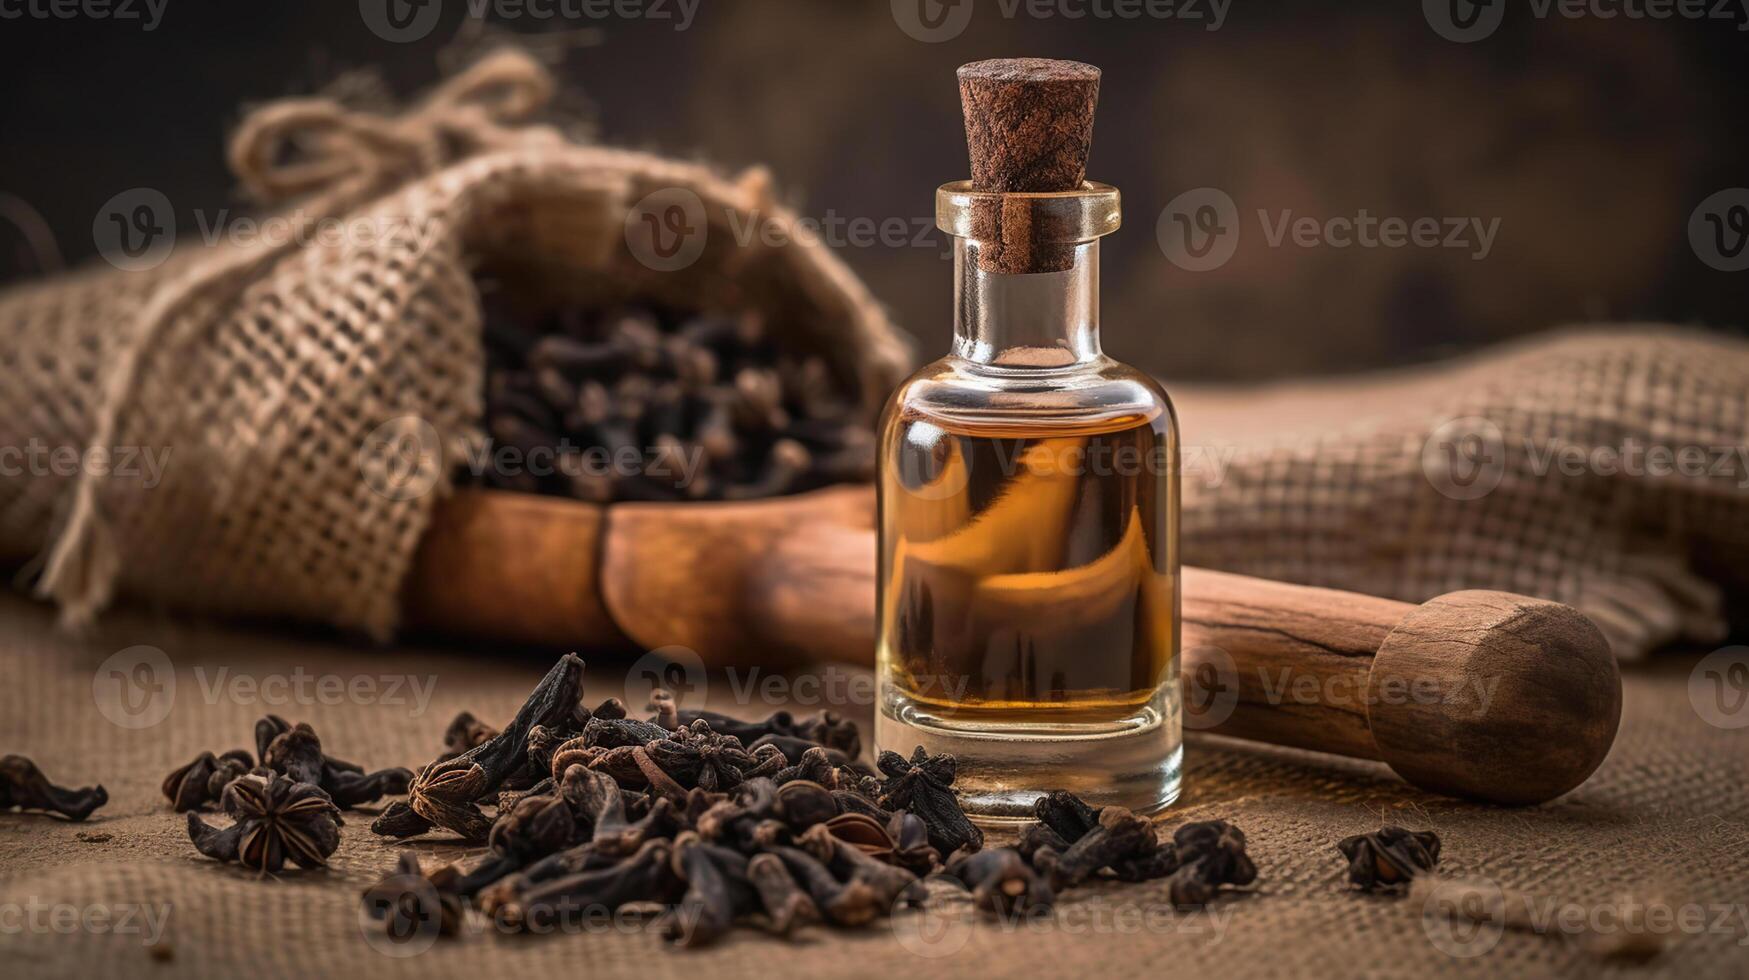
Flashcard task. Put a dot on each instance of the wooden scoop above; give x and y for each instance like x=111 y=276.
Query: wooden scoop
x=1486 y=695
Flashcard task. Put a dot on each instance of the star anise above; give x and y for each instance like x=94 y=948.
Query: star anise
x=1211 y=853
x=277 y=819
x=924 y=786
x=698 y=756
x=1389 y=858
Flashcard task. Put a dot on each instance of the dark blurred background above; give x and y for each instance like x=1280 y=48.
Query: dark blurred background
x=1591 y=140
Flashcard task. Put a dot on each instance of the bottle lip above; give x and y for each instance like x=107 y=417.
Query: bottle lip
x=1062 y=217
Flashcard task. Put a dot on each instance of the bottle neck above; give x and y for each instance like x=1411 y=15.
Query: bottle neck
x=1037 y=320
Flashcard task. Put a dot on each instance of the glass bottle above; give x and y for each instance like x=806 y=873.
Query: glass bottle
x=1028 y=516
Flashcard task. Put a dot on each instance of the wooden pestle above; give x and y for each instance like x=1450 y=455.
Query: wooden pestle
x=1485 y=695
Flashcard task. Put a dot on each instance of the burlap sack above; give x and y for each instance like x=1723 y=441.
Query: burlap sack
x=1607 y=468
x=269 y=367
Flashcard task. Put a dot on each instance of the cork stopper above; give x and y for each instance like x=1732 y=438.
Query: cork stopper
x=1029 y=122
x=1029 y=127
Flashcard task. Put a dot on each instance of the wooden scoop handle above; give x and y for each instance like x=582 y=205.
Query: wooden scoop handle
x=1486 y=695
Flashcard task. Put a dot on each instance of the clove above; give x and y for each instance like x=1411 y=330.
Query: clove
x=24 y=786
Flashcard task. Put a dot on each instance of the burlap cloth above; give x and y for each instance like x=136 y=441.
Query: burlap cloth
x=1664 y=817
x=1604 y=467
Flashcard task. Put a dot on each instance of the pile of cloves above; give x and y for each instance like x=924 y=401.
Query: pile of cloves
x=643 y=403
x=1072 y=842
x=721 y=822
x=287 y=808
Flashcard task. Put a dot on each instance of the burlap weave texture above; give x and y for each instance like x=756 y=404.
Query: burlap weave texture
x=1665 y=818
